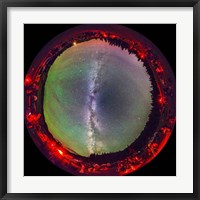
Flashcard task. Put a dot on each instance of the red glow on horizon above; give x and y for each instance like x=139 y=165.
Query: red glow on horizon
x=65 y=156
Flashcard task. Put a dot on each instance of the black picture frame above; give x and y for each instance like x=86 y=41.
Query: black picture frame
x=4 y=4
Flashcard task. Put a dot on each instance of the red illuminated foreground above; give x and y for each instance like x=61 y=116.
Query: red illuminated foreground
x=132 y=158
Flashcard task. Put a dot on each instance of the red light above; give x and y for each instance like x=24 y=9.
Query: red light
x=154 y=145
x=82 y=169
x=43 y=137
x=166 y=130
x=105 y=35
x=27 y=81
x=113 y=36
x=172 y=121
x=159 y=69
x=136 y=158
x=60 y=152
x=161 y=100
x=52 y=144
x=37 y=79
x=31 y=118
x=162 y=81
x=142 y=56
x=131 y=47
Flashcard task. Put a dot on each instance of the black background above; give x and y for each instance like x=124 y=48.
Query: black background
x=36 y=37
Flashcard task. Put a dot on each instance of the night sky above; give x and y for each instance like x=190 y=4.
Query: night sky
x=97 y=98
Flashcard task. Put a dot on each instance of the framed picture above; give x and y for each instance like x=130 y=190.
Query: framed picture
x=99 y=100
